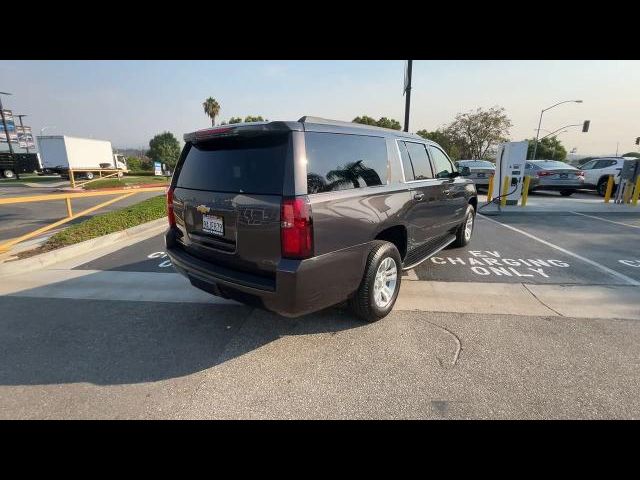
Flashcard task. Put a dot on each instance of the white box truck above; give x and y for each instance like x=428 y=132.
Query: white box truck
x=59 y=153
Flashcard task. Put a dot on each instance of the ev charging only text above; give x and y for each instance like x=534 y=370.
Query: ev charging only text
x=491 y=263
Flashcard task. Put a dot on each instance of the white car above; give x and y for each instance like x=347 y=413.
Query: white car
x=597 y=171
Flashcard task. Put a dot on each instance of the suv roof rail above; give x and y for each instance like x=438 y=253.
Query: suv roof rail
x=341 y=123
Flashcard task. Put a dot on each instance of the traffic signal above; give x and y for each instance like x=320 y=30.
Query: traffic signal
x=638 y=141
x=585 y=126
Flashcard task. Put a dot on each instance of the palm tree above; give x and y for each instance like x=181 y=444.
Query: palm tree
x=211 y=108
x=351 y=173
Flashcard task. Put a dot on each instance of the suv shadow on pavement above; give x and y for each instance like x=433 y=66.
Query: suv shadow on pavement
x=57 y=341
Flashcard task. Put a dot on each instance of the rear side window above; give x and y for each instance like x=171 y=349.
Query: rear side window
x=236 y=164
x=340 y=162
x=406 y=162
x=419 y=161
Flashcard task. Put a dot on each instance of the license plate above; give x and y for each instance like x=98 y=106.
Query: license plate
x=213 y=224
x=564 y=175
x=481 y=175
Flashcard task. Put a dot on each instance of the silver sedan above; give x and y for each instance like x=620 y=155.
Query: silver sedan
x=480 y=171
x=554 y=175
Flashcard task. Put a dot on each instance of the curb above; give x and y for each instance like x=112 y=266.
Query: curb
x=36 y=262
x=126 y=187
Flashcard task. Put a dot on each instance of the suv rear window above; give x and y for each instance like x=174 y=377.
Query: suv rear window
x=236 y=164
x=337 y=161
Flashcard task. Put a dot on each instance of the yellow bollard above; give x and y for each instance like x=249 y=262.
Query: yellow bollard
x=636 y=192
x=607 y=194
x=525 y=190
x=490 y=189
x=505 y=190
x=69 y=209
x=72 y=178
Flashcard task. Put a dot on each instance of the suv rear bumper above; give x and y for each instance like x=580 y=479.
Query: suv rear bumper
x=300 y=286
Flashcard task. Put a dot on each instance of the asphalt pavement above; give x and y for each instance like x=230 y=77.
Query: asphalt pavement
x=538 y=318
x=123 y=359
x=559 y=248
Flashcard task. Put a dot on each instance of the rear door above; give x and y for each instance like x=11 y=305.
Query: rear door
x=227 y=200
x=424 y=218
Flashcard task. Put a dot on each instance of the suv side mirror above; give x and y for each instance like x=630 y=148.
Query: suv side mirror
x=454 y=174
x=465 y=171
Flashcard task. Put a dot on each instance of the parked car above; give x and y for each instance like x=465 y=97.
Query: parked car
x=479 y=171
x=554 y=175
x=298 y=216
x=598 y=170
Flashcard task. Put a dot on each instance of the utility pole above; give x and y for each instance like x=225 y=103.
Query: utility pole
x=6 y=133
x=407 y=91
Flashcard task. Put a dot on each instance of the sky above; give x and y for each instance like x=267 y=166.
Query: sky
x=127 y=102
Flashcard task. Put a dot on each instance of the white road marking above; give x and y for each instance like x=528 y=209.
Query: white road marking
x=599 y=266
x=607 y=220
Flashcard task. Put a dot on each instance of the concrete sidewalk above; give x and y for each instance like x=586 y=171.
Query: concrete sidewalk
x=558 y=204
x=579 y=301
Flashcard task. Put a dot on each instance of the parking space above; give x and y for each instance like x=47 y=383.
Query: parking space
x=567 y=249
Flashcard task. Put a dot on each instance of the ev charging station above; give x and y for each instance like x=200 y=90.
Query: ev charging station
x=510 y=162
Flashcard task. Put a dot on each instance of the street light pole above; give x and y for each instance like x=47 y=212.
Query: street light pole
x=6 y=132
x=407 y=90
x=535 y=145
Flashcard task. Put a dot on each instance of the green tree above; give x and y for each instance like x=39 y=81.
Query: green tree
x=632 y=154
x=250 y=118
x=391 y=123
x=235 y=120
x=443 y=138
x=383 y=122
x=211 y=109
x=365 y=120
x=134 y=163
x=479 y=131
x=549 y=148
x=165 y=148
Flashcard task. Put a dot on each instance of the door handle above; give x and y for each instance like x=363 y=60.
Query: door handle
x=418 y=196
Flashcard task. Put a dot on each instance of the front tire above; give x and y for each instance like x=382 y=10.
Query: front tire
x=465 y=231
x=380 y=285
x=8 y=173
x=89 y=175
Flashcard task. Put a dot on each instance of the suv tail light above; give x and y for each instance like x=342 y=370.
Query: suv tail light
x=170 y=215
x=580 y=173
x=543 y=173
x=296 y=228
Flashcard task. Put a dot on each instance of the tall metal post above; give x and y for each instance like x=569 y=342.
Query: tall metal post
x=408 y=93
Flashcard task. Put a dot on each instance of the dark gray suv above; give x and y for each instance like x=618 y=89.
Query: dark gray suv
x=298 y=216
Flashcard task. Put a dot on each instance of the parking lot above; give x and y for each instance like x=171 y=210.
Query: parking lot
x=562 y=248
x=118 y=334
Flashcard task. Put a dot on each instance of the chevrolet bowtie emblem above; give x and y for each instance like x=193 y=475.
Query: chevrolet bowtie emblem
x=203 y=209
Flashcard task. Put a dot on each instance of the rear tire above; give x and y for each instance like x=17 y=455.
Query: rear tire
x=380 y=285
x=89 y=175
x=465 y=231
x=567 y=193
x=602 y=187
x=8 y=173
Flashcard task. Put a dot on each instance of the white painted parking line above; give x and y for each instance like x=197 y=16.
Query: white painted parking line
x=599 y=266
x=607 y=220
